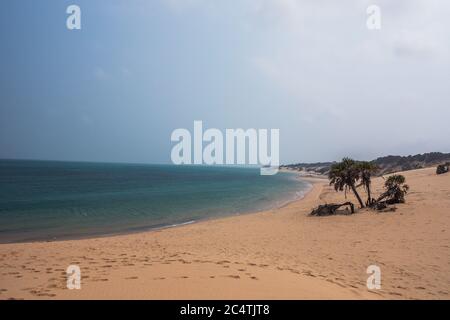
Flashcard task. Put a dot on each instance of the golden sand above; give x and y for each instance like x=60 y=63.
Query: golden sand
x=277 y=254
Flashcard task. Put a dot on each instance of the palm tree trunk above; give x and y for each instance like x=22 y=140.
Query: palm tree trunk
x=382 y=196
x=357 y=196
x=369 y=197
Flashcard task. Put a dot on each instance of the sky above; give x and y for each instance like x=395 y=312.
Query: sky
x=137 y=70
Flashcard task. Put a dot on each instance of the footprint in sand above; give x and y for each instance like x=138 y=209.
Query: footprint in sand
x=184 y=261
x=46 y=295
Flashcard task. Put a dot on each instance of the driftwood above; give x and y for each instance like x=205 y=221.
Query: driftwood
x=330 y=209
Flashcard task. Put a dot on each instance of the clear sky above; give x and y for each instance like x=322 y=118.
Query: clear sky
x=137 y=70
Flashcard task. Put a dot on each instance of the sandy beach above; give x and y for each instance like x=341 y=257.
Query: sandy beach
x=277 y=254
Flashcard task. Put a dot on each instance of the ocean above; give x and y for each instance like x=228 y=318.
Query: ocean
x=49 y=200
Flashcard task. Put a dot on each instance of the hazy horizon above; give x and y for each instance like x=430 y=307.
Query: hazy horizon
x=116 y=89
x=193 y=165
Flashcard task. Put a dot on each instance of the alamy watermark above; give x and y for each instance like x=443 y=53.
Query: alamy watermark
x=73 y=21
x=73 y=277
x=239 y=146
x=374 y=280
x=374 y=19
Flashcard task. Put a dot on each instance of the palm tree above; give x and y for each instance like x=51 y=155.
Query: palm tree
x=344 y=175
x=396 y=189
x=366 y=169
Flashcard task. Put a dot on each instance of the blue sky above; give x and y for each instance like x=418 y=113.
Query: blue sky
x=137 y=70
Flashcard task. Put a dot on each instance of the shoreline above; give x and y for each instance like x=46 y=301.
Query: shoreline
x=137 y=230
x=275 y=254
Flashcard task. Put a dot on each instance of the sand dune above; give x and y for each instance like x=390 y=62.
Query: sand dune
x=278 y=254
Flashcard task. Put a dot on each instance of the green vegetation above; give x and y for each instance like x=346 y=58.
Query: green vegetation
x=443 y=168
x=396 y=190
x=346 y=174
x=366 y=169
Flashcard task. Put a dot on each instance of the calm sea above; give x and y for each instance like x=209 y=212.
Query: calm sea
x=47 y=200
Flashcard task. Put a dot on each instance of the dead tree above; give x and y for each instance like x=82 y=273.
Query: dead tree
x=330 y=209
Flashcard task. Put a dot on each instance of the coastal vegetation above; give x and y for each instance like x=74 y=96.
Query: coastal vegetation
x=395 y=191
x=350 y=174
x=366 y=169
x=443 y=168
x=386 y=165
x=344 y=175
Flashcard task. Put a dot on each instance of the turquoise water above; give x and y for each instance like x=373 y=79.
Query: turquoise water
x=46 y=200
